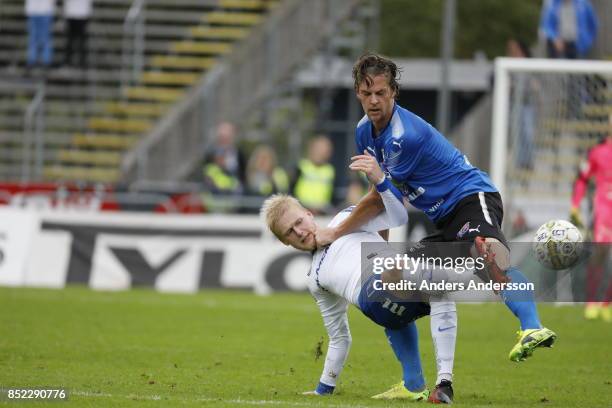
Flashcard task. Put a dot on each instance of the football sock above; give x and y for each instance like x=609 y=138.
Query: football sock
x=443 y=322
x=521 y=302
x=324 y=389
x=405 y=345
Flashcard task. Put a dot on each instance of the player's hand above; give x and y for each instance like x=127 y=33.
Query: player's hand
x=325 y=236
x=367 y=163
x=576 y=218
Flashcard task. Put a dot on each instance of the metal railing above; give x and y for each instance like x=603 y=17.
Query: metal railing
x=133 y=43
x=249 y=74
x=33 y=133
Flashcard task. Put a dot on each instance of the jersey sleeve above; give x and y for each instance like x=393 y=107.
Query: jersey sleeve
x=395 y=213
x=587 y=169
x=548 y=22
x=333 y=310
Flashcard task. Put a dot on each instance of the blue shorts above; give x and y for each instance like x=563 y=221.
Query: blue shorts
x=387 y=310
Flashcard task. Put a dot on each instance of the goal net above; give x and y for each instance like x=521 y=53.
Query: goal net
x=547 y=114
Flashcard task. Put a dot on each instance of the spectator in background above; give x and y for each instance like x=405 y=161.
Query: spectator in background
x=234 y=161
x=313 y=182
x=223 y=171
x=526 y=91
x=76 y=13
x=222 y=186
x=40 y=40
x=264 y=177
x=570 y=28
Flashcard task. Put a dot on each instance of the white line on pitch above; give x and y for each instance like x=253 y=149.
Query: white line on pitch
x=208 y=399
x=106 y=395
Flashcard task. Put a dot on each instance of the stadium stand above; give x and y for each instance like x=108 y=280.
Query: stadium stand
x=92 y=116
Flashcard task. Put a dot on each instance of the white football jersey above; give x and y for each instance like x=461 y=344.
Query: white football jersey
x=336 y=269
x=334 y=279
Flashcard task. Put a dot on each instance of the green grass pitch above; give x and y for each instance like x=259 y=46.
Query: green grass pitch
x=227 y=349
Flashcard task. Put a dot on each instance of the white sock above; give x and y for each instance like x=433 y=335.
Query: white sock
x=443 y=320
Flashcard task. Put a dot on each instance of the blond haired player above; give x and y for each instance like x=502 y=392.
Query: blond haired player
x=335 y=280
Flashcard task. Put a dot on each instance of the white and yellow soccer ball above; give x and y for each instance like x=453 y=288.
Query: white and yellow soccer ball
x=558 y=244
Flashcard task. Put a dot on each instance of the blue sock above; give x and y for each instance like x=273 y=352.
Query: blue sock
x=521 y=302
x=405 y=345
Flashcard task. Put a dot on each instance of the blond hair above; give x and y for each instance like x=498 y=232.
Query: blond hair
x=274 y=207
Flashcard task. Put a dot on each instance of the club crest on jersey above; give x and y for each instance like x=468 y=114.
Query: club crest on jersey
x=463 y=230
x=395 y=151
x=466 y=229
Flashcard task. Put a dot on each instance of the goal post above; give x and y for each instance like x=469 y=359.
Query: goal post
x=546 y=115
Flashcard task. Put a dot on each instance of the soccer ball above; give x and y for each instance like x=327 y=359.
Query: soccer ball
x=558 y=244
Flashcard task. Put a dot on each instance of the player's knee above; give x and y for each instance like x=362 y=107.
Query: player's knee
x=347 y=339
x=501 y=253
x=439 y=307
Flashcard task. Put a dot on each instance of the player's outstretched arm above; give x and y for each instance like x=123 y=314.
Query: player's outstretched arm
x=369 y=207
x=367 y=214
x=395 y=213
x=333 y=310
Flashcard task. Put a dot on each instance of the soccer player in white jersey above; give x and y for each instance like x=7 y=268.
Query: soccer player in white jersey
x=335 y=281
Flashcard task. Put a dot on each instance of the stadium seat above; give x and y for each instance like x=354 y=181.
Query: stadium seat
x=90 y=121
x=215 y=33
x=169 y=78
x=242 y=4
x=135 y=109
x=107 y=158
x=154 y=94
x=192 y=47
x=597 y=110
x=119 y=125
x=65 y=173
x=181 y=62
x=232 y=18
x=104 y=141
x=579 y=126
